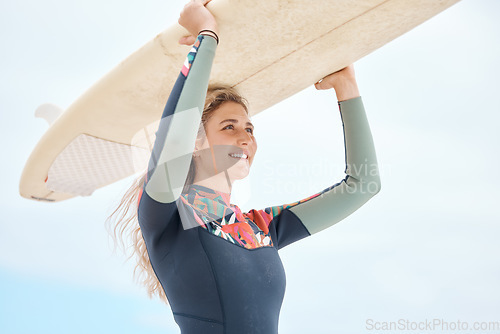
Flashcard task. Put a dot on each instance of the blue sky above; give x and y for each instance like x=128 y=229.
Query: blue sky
x=426 y=247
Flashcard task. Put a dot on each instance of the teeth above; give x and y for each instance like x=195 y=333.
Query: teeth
x=238 y=155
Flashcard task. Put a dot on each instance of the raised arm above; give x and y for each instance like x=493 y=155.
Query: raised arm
x=175 y=139
x=294 y=221
x=362 y=179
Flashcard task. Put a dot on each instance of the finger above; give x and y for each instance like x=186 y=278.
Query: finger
x=201 y=2
x=320 y=85
x=187 y=40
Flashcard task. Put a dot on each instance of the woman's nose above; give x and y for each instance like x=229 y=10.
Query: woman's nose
x=244 y=137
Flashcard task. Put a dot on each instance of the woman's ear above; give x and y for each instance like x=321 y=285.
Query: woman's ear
x=199 y=143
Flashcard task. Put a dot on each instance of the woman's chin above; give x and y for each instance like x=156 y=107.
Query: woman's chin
x=239 y=171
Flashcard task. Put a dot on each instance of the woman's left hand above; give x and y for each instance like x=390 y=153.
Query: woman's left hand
x=343 y=81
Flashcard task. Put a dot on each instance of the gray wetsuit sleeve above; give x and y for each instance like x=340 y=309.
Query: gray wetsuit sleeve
x=177 y=132
x=362 y=179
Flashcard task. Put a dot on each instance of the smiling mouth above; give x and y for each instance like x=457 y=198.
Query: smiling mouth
x=238 y=155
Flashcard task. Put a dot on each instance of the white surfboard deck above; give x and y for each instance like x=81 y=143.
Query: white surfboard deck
x=269 y=50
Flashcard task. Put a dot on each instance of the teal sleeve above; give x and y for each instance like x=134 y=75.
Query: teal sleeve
x=178 y=129
x=362 y=179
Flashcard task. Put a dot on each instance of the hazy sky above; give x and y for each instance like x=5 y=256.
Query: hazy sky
x=425 y=248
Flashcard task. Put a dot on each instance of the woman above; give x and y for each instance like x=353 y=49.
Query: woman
x=219 y=267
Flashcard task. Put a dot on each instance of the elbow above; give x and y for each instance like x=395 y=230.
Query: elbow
x=370 y=182
x=374 y=185
x=363 y=179
x=366 y=187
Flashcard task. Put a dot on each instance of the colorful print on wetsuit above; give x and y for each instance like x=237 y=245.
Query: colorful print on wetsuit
x=212 y=211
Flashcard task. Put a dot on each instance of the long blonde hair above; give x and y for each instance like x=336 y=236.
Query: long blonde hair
x=122 y=224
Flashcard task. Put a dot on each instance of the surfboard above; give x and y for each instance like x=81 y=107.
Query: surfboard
x=269 y=50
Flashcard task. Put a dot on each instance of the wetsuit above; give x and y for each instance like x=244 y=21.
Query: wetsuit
x=220 y=267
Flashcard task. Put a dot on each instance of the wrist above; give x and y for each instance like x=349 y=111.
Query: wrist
x=212 y=26
x=209 y=32
x=346 y=89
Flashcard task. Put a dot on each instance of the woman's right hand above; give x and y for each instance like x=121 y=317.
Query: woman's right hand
x=196 y=17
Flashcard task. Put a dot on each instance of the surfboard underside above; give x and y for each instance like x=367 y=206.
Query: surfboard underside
x=269 y=50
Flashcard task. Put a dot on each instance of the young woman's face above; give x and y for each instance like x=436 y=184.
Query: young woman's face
x=231 y=143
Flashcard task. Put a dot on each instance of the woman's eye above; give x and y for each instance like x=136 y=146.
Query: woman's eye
x=230 y=126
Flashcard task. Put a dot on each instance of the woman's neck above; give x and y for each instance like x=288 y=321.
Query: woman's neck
x=219 y=182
